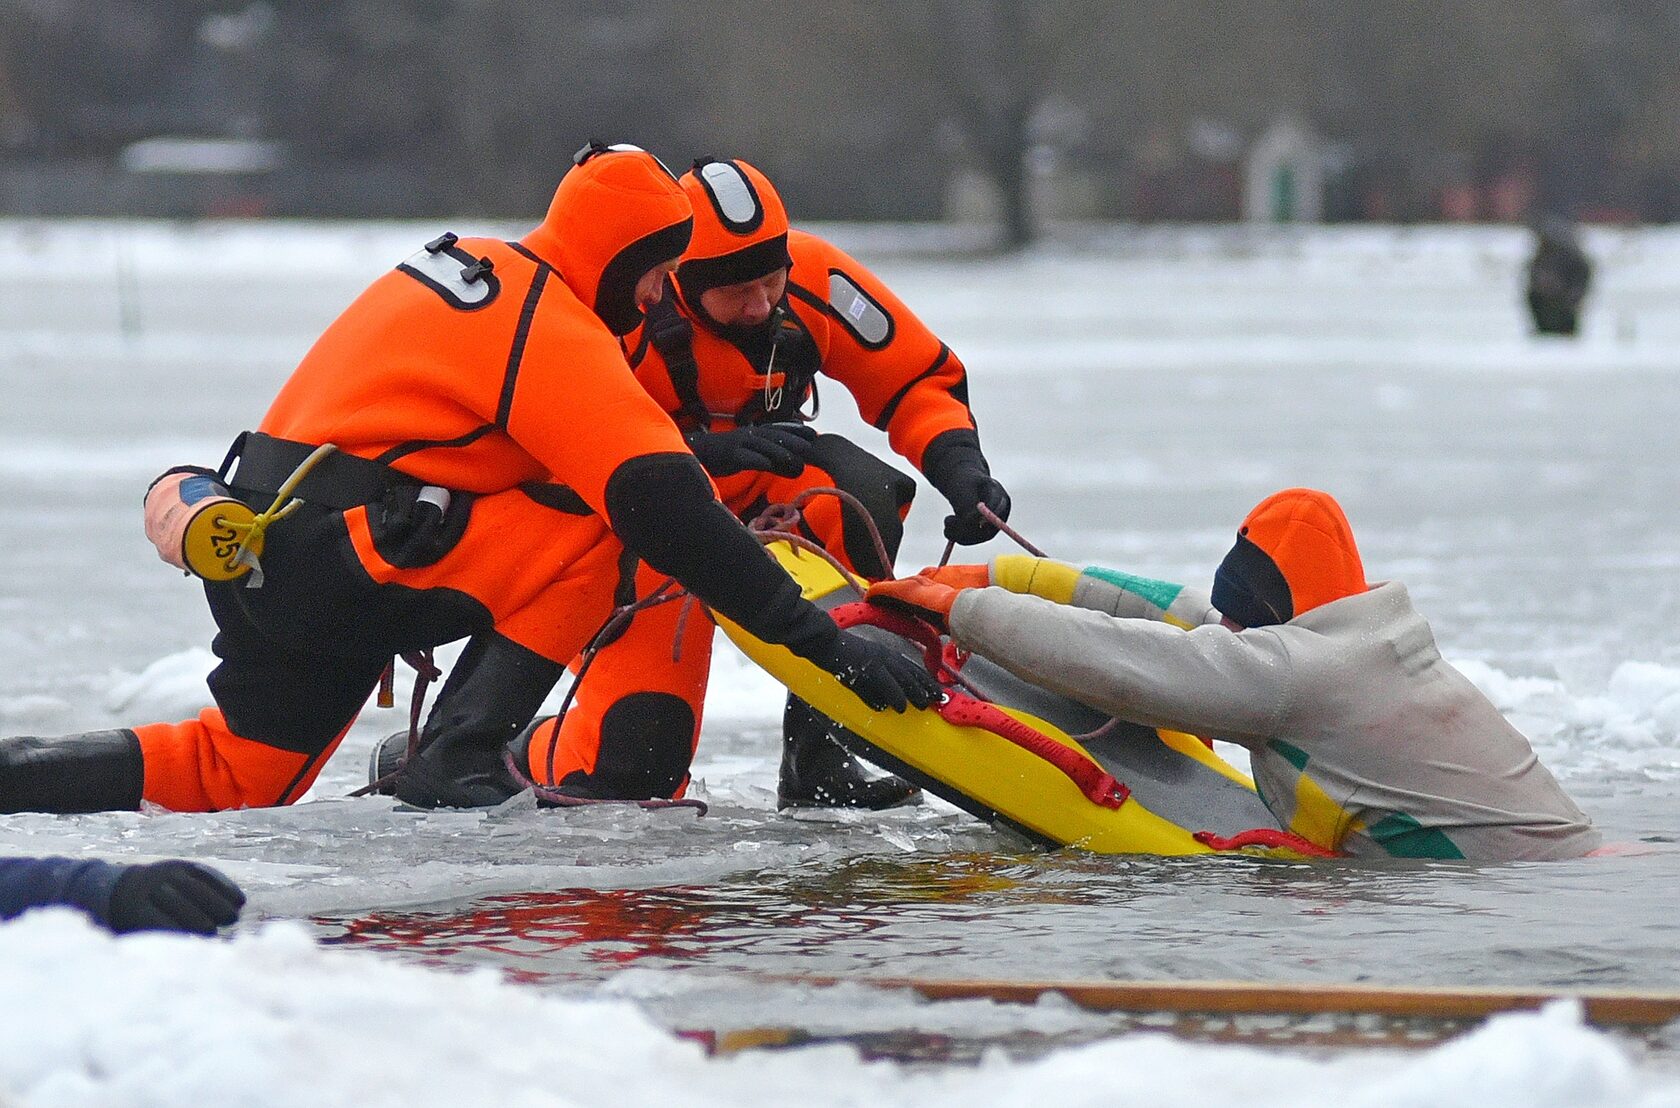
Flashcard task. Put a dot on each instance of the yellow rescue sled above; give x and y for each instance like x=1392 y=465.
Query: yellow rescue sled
x=1174 y=795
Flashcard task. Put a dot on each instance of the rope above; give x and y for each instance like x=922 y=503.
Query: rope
x=997 y=521
x=609 y=629
x=778 y=520
x=803 y=543
x=425 y=672
x=549 y=793
x=689 y=603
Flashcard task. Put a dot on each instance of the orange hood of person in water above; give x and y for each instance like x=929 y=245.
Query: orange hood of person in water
x=1294 y=552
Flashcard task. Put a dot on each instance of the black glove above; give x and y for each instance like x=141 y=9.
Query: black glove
x=955 y=466
x=882 y=678
x=779 y=448
x=172 y=896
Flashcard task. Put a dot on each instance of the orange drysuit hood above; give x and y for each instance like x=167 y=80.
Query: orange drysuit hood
x=1294 y=552
x=617 y=214
x=740 y=227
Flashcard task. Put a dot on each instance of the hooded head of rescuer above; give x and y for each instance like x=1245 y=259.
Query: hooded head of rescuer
x=735 y=273
x=1363 y=739
x=472 y=457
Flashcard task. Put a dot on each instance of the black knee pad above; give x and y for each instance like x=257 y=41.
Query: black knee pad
x=883 y=490
x=647 y=741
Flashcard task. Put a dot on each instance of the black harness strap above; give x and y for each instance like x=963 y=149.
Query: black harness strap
x=673 y=337
x=339 y=481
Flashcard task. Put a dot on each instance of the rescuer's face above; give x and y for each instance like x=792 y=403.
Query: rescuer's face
x=747 y=303
x=651 y=288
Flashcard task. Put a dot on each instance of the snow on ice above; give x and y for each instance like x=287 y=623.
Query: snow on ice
x=270 y=1019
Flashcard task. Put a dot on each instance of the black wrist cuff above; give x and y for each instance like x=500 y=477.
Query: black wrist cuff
x=950 y=453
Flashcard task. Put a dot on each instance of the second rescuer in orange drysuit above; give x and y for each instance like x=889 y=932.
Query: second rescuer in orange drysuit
x=732 y=351
x=497 y=460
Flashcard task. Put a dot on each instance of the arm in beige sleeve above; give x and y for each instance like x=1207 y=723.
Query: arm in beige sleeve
x=1207 y=681
x=1104 y=590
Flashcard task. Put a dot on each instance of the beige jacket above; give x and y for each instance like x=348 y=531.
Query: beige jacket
x=1363 y=737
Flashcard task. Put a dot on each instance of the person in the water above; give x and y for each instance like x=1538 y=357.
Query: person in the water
x=1364 y=740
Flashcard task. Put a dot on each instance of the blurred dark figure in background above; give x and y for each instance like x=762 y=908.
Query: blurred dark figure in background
x=1558 y=276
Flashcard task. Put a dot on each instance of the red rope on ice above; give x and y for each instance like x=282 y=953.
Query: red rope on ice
x=425 y=672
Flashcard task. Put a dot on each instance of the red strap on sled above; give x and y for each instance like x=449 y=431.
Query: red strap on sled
x=961 y=710
x=1096 y=783
x=1265 y=836
x=905 y=627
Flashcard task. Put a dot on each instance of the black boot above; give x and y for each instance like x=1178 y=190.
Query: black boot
x=491 y=694
x=389 y=752
x=387 y=759
x=817 y=772
x=98 y=771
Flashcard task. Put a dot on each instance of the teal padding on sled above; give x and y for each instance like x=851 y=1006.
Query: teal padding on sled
x=1159 y=593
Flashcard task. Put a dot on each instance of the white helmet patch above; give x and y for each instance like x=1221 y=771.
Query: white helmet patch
x=592 y=148
x=733 y=196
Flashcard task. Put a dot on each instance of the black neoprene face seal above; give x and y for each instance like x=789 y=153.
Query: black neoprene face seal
x=1250 y=589
x=748 y=264
x=615 y=296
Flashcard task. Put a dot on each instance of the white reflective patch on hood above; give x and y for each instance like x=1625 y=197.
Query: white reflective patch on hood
x=632 y=148
x=730 y=190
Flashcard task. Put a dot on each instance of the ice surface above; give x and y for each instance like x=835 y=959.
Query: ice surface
x=1138 y=390
x=1632 y=728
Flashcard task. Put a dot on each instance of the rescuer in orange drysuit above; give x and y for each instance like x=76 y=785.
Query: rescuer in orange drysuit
x=732 y=351
x=499 y=472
